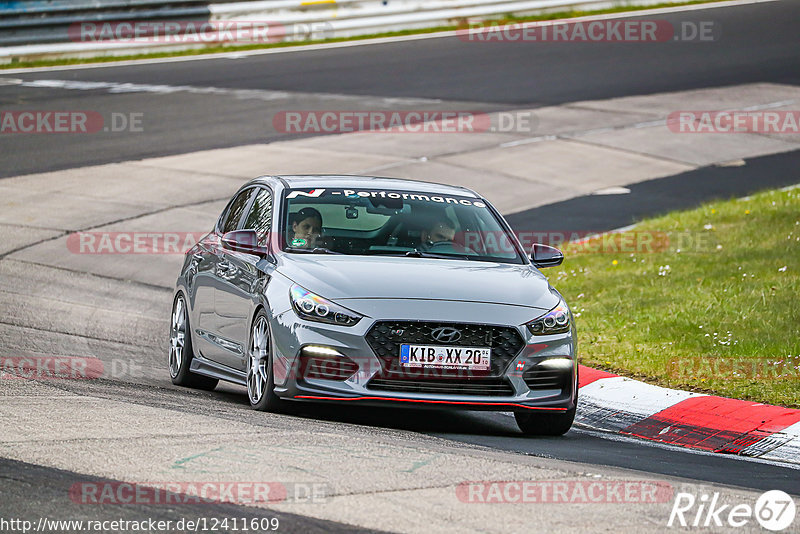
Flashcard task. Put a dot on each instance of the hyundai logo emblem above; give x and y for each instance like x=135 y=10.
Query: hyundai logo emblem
x=446 y=334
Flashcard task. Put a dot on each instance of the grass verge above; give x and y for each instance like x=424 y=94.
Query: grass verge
x=241 y=48
x=706 y=300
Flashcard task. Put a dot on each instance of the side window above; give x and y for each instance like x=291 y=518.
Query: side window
x=260 y=216
x=234 y=212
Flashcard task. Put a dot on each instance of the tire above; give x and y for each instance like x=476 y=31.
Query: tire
x=260 y=381
x=181 y=352
x=545 y=424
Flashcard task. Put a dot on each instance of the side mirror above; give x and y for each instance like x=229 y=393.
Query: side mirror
x=546 y=256
x=242 y=241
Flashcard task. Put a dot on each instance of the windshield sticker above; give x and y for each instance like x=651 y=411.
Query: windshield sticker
x=314 y=193
x=421 y=197
x=299 y=242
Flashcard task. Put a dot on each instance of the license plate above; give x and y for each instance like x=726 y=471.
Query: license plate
x=472 y=358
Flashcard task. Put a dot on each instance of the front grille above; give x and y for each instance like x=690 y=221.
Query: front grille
x=490 y=387
x=385 y=338
x=538 y=379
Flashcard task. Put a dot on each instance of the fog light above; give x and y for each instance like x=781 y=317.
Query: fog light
x=325 y=363
x=561 y=364
x=319 y=350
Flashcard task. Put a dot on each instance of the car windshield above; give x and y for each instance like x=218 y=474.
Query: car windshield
x=397 y=223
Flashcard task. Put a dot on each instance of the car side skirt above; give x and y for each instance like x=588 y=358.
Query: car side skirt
x=205 y=367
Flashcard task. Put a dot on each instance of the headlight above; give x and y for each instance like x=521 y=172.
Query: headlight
x=556 y=321
x=315 y=308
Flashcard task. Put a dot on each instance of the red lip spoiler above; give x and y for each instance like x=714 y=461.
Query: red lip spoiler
x=423 y=401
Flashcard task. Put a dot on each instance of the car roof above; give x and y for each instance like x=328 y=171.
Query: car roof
x=301 y=181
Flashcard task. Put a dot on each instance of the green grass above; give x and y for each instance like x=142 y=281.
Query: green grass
x=236 y=48
x=723 y=318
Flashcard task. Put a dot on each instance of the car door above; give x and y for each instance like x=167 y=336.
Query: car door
x=241 y=280
x=212 y=344
x=200 y=282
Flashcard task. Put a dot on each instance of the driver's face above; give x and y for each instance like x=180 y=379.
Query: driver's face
x=308 y=229
x=439 y=233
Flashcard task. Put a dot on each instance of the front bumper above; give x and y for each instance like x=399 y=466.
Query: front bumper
x=527 y=375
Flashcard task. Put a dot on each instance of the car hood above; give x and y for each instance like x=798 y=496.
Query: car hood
x=381 y=277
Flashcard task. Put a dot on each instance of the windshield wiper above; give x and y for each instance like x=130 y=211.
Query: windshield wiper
x=316 y=250
x=400 y=254
x=421 y=254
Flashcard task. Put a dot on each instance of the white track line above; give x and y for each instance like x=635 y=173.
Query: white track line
x=240 y=94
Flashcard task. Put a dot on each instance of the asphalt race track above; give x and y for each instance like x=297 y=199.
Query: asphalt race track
x=445 y=73
x=389 y=470
x=654 y=197
x=53 y=485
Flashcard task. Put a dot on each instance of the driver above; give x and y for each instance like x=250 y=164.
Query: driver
x=306 y=228
x=440 y=230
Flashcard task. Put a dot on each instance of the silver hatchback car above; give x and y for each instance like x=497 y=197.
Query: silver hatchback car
x=374 y=291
